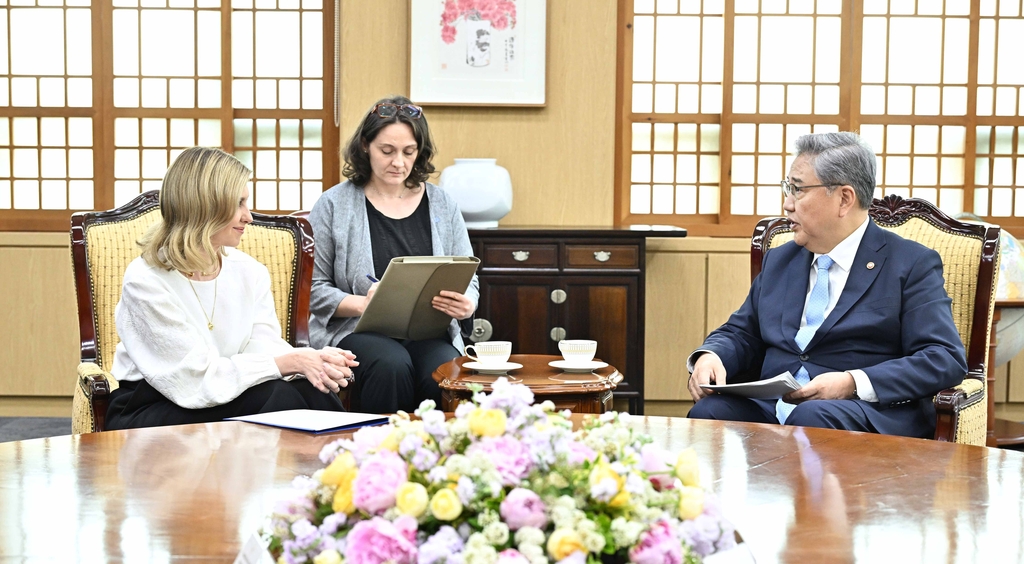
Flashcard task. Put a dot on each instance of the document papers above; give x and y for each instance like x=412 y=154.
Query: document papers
x=772 y=388
x=401 y=308
x=313 y=420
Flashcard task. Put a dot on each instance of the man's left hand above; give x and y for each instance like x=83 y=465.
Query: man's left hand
x=828 y=385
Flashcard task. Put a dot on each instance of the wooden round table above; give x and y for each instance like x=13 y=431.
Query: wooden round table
x=580 y=393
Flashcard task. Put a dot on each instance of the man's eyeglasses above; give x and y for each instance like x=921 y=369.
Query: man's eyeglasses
x=790 y=189
x=388 y=110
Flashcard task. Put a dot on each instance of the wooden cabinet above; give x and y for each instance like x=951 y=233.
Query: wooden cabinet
x=541 y=285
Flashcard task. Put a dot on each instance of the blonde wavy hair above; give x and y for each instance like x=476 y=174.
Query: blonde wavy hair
x=199 y=197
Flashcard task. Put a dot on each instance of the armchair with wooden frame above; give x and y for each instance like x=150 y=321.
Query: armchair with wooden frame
x=970 y=256
x=102 y=245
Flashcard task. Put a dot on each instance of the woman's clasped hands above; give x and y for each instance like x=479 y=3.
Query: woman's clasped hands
x=328 y=369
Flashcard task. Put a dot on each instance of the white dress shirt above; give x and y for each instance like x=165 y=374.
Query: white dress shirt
x=162 y=323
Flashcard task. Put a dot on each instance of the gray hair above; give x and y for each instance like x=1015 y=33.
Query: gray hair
x=841 y=158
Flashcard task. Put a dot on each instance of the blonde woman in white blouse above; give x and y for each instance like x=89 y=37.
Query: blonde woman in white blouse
x=200 y=340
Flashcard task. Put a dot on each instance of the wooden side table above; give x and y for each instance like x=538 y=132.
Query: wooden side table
x=579 y=393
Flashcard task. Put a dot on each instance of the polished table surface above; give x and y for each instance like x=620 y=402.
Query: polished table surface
x=796 y=495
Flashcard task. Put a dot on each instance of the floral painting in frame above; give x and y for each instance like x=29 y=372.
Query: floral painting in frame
x=478 y=52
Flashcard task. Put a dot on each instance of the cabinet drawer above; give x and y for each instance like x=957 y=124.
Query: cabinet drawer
x=520 y=256
x=602 y=256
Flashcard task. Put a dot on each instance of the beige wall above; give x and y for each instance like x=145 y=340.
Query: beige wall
x=560 y=156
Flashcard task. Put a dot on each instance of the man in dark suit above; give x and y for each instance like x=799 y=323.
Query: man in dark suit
x=856 y=313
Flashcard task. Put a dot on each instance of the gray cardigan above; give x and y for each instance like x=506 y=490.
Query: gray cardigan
x=343 y=256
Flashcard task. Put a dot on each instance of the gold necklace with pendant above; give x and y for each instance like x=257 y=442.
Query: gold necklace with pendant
x=213 y=310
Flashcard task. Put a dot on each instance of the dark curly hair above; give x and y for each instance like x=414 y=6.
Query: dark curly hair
x=357 y=160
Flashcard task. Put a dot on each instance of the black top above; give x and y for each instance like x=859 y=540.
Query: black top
x=406 y=237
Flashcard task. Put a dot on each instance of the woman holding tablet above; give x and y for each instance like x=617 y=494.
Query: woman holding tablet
x=386 y=209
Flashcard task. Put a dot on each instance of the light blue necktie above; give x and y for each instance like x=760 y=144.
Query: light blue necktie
x=815 y=315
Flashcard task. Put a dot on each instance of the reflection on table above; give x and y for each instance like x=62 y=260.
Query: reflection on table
x=796 y=495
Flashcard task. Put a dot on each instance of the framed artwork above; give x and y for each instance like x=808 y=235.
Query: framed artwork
x=478 y=52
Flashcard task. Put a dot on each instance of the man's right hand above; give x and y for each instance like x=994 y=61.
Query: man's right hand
x=707 y=369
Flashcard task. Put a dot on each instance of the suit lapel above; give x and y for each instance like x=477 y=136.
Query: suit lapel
x=796 y=280
x=861 y=277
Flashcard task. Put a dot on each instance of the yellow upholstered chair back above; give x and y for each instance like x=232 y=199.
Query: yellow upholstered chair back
x=970 y=255
x=104 y=243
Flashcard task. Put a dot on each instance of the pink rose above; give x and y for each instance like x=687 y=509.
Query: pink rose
x=379 y=540
x=448 y=34
x=511 y=556
x=658 y=464
x=523 y=508
x=511 y=457
x=579 y=452
x=658 y=545
x=374 y=488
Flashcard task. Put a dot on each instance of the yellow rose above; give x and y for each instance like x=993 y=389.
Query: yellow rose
x=329 y=556
x=411 y=499
x=691 y=502
x=564 y=542
x=687 y=469
x=342 y=502
x=390 y=442
x=446 y=505
x=339 y=469
x=487 y=422
x=603 y=472
x=341 y=473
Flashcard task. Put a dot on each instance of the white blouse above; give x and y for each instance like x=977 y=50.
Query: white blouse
x=165 y=339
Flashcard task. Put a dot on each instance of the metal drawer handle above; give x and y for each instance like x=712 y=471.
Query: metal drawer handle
x=557 y=334
x=521 y=255
x=482 y=330
x=558 y=296
x=602 y=256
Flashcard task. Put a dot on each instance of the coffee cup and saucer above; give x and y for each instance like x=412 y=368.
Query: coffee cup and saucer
x=491 y=358
x=578 y=357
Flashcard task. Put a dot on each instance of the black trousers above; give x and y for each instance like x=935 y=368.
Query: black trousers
x=137 y=404
x=393 y=374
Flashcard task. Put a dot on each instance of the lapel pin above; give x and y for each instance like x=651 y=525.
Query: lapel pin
x=871 y=265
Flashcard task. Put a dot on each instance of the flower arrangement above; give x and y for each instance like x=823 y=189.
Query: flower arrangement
x=501 y=14
x=503 y=482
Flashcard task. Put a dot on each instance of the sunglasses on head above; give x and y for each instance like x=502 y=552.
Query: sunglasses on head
x=389 y=110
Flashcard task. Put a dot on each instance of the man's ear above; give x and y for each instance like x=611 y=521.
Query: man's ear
x=847 y=199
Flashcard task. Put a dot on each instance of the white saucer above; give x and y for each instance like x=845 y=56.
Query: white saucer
x=492 y=367
x=576 y=366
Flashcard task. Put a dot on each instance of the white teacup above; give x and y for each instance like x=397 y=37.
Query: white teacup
x=578 y=350
x=490 y=352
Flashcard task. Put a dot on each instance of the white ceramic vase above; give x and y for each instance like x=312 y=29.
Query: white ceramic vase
x=482 y=189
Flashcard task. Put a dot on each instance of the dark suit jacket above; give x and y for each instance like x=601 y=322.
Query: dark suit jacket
x=893 y=321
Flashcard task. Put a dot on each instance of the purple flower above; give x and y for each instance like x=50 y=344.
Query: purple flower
x=444 y=546
x=511 y=556
x=466 y=489
x=523 y=508
x=510 y=456
x=374 y=488
x=433 y=423
x=709 y=532
x=658 y=545
x=578 y=557
x=421 y=458
x=332 y=522
x=379 y=540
